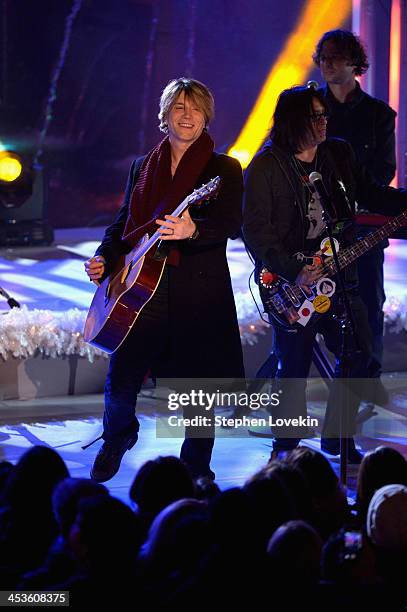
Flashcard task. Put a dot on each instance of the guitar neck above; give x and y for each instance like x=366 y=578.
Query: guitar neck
x=350 y=254
x=141 y=252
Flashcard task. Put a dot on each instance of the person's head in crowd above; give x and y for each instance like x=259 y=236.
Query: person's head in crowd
x=105 y=537
x=386 y=527
x=272 y=503
x=296 y=485
x=316 y=469
x=5 y=470
x=232 y=520
x=177 y=539
x=66 y=497
x=329 y=500
x=294 y=555
x=206 y=489
x=381 y=466
x=158 y=483
x=59 y=564
x=34 y=478
x=27 y=524
x=386 y=522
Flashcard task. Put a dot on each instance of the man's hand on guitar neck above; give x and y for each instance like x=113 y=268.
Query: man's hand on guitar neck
x=95 y=267
x=177 y=228
x=308 y=276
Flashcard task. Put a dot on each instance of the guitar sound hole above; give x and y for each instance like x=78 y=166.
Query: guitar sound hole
x=126 y=273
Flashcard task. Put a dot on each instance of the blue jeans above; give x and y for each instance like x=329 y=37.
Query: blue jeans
x=371 y=288
x=145 y=346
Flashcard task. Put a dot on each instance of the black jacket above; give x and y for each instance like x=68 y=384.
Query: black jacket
x=369 y=125
x=203 y=322
x=274 y=206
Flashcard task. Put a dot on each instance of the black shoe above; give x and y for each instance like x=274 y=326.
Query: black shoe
x=365 y=413
x=196 y=474
x=210 y=475
x=108 y=459
x=332 y=447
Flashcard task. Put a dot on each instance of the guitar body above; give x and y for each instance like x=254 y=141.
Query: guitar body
x=121 y=297
x=288 y=305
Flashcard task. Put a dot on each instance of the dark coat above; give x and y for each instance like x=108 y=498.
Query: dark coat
x=369 y=125
x=274 y=209
x=205 y=339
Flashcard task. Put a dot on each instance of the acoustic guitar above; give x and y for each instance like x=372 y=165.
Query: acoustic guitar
x=121 y=297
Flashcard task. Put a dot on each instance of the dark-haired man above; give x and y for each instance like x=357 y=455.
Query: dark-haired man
x=369 y=125
x=282 y=220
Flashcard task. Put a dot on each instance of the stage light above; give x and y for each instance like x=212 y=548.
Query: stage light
x=16 y=179
x=291 y=68
x=10 y=167
x=22 y=201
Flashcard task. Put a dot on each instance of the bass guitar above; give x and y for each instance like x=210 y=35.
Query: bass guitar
x=289 y=305
x=121 y=297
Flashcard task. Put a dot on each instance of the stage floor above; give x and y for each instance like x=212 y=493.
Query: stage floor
x=53 y=278
x=68 y=423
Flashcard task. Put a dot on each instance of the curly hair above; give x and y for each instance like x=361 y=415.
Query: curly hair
x=348 y=45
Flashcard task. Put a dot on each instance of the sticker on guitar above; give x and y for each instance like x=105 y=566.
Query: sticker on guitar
x=288 y=304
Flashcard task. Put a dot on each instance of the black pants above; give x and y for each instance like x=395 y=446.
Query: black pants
x=144 y=347
x=371 y=289
x=294 y=353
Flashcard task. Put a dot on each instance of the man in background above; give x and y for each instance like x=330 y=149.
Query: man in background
x=369 y=125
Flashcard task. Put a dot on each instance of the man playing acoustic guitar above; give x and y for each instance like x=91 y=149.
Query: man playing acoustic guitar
x=189 y=328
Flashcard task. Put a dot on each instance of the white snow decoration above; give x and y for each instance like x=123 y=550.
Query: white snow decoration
x=24 y=332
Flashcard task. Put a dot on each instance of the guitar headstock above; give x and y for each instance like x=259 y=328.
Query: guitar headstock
x=205 y=192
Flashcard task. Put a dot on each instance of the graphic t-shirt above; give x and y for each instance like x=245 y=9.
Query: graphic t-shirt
x=316 y=227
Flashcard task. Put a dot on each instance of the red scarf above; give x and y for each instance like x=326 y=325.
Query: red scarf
x=156 y=193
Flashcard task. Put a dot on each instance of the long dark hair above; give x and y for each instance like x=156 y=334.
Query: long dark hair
x=292 y=117
x=382 y=466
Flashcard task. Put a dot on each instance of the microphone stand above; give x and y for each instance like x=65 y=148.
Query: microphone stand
x=348 y=332
x=10 y=301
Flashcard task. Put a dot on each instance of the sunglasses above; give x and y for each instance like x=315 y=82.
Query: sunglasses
x=316 y=117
